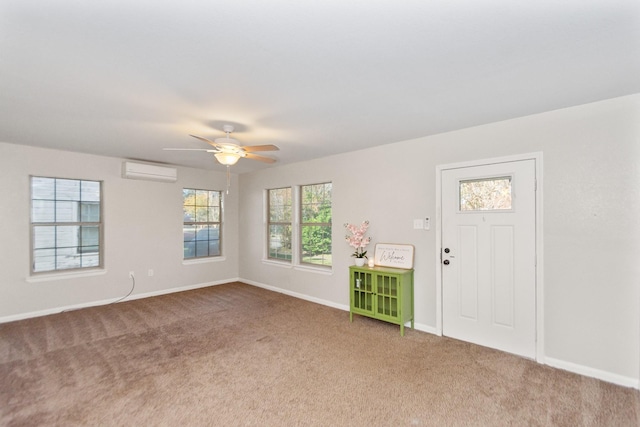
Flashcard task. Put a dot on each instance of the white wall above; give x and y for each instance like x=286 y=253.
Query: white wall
x=591 y=228
x=142 y=231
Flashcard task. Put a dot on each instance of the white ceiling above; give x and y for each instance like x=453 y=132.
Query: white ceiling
x=126 y=78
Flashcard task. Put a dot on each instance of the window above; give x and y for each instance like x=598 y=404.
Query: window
x=66 y=224
x=486 y=194
x=202 y=221
x=311 y=220
x=279 y=223
x=315 y=224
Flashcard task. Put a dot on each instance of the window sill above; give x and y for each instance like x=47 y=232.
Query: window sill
x=50 y=277
x=319 y=270
x=311 y=269
x=281 y=264
x=203 y=260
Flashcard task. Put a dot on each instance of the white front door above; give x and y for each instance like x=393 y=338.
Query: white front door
x=488 y=255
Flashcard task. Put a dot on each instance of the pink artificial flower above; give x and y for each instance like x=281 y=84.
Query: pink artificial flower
x=357 y=239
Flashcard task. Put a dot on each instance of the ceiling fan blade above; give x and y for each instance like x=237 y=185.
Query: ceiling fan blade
x=253 y=148
x=206 y=140
x=259 y=158
x=208 y=150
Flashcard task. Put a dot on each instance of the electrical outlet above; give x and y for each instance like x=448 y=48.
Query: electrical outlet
x=150 y=273
x=427 y=223
x=131 y=276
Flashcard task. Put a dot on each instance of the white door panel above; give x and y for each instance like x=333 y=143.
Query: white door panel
x=488 y=280
x=468 y=276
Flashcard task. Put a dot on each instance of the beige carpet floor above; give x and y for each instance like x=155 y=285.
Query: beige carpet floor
x=237 y=355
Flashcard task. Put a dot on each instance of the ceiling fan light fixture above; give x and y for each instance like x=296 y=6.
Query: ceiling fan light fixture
x=228 y=159
x=228 y=151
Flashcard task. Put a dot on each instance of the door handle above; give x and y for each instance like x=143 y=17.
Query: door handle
x=445 y=262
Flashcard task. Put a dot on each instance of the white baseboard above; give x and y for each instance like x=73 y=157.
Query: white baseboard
x=183 y=288
x=593 y=373
x=55 y=310
x=296 y=294
x=426 y=328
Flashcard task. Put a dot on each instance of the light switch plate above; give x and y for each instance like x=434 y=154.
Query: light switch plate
x=418 y=224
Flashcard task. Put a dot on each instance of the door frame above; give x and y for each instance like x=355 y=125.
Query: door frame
x=539 y=247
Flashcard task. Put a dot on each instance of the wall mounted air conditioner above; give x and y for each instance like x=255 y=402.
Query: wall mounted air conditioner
x=131 y=170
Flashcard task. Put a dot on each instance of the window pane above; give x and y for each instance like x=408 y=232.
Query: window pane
x=316 y=203
x=280 y=205
x=90 y=191
x=316 y=244
x=91 y=258
x=189 y=232
x=44 y=237
x=189 y=213
x=485 y=194
x=43 y=211
x=190 y=249
x=280 y=242
x=67 y=236
x=202 y=233
x=214 y=232
x=44 y=260
x=202 y=214
x=90 y=236
x=202 y=198
x=214 y=247
x=43 y=188
x=277 y=214
x=214 y=198
x=67 y=189
x=67 y=212
x=202 y=248
x=90 y=212
x=67 y=258
x=214 y=214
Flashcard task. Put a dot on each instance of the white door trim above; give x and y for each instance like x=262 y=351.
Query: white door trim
x=537 y=157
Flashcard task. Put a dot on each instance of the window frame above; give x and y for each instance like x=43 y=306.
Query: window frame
x=302 y=225
x=195 y=223
x=81 y=250
x=289 y=223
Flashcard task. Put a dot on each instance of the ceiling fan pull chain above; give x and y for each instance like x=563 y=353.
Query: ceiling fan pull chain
x=228 y=178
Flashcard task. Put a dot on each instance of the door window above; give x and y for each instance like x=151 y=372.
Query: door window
x=485 y=194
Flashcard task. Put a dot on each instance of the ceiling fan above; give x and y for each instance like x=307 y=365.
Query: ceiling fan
x=227 y=150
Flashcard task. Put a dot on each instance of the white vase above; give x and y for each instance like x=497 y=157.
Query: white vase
x=360 y=262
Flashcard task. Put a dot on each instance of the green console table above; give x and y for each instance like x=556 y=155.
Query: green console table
x=383 y=293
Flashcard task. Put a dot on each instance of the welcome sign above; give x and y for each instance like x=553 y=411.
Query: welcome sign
x=394 y=255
